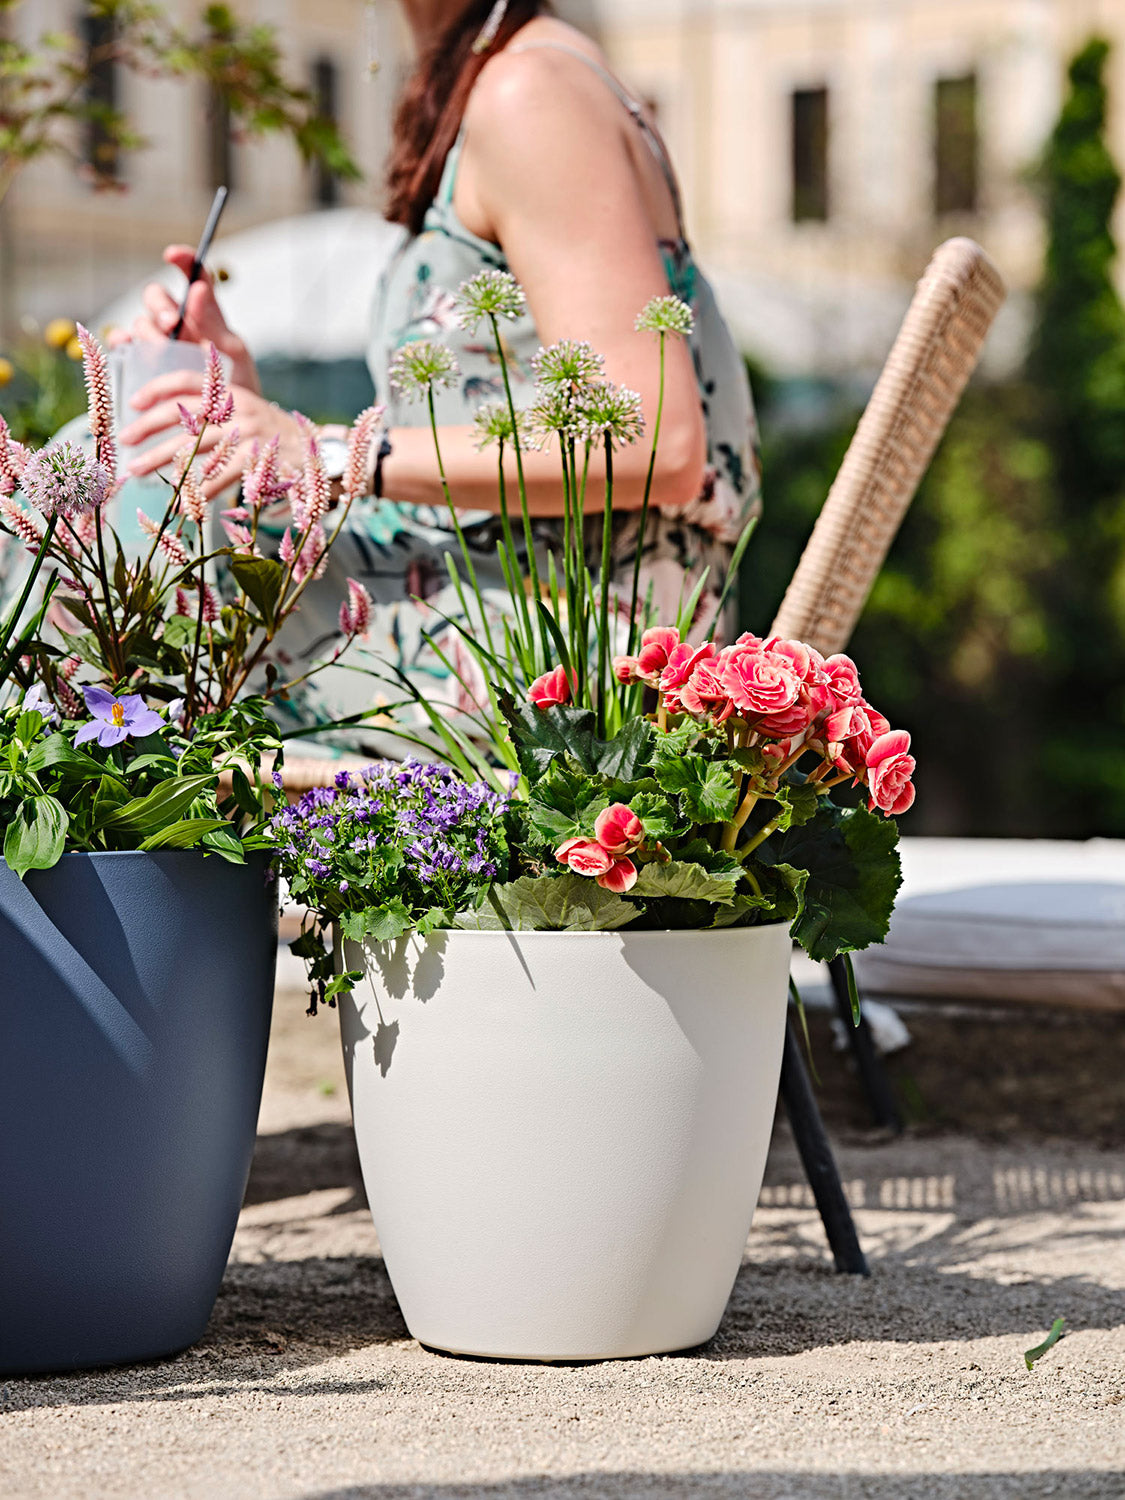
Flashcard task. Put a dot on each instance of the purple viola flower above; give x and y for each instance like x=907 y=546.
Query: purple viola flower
x=116 y=719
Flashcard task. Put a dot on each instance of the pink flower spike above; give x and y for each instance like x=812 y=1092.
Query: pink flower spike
x=355 y=612
x=190 y=421
x=99 y=398
x=584 y=857
x=551 y=689
x=287 y=548
x=618 y=829
x=317 y=490
x=220 y=454
x=216 y=404
x=183 y=603
x=620 y=877
x=360 y=439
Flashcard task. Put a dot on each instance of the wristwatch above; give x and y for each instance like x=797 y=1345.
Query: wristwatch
x=334 y=455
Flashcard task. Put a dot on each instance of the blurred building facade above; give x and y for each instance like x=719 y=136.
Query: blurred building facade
x=66 y=249
x=825 y=147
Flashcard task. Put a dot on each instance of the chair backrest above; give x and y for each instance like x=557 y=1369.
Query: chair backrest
x=936 y=351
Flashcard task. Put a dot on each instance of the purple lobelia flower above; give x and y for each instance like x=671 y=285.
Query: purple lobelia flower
x=116 y=719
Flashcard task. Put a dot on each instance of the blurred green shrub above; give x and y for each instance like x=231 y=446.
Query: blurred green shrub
x=41 y=381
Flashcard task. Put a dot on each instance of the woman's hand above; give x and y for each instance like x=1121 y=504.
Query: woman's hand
x=257 y=420
x=203 y=319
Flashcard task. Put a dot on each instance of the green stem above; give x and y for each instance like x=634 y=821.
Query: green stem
x=607 y=564
x=529 y=540
x=111 y=628
x=12 y=622
x=642 y=521
x=760 y=837
x=472 y=572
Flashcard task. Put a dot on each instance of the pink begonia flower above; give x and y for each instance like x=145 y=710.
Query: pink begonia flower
x=843 y=679
x=889 y=769
x=682 y=662
x=657 y=646
x=625 y=668
x=837 y=726
x=703 y=693
x=618 y=829
x=550 y=689
x=759 y=683
x=620 y=877
x=866 y=727
x=584 y=856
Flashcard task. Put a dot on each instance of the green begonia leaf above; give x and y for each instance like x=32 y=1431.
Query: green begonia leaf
x=685 y=882
x=853 y=875
x=552 y=903
x=705 y=787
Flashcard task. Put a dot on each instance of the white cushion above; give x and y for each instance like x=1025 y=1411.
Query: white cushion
x=1049 y=942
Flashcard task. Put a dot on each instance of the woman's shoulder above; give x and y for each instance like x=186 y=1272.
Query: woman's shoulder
x=538 y=77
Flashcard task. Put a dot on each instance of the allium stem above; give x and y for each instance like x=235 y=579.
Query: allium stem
x=529 y=540
x=456 y=523
x=642 y=520
x=519 y=597
x=607 y=564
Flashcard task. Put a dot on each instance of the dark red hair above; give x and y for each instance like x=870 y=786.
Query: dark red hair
x=432 y=106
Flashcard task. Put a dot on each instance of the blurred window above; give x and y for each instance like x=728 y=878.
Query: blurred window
x=956 y=145
x=810 y=154
x=325 y=88
x=100 y=147
x=220 y=150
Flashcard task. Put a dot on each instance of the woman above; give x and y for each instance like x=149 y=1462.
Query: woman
x=514 y=147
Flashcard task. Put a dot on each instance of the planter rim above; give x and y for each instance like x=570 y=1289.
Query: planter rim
x=581 y=932
x=146 y=854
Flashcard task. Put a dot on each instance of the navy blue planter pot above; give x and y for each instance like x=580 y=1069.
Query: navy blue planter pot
x=135 y=998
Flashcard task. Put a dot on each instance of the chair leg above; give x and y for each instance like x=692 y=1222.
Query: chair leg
x=817 y=1159
x=872 y=1075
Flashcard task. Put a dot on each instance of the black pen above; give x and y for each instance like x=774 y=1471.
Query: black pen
x=217 y=204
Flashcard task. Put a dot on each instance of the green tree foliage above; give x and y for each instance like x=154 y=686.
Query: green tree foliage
x=48 y=89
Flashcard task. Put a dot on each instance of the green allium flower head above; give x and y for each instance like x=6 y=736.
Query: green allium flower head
x=567 y=366
x=666 y=315
x=608 y=411
x=493 y=423
x=489 y=294
x=418 y=367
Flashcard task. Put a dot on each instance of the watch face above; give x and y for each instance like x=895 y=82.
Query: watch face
x=334 y=452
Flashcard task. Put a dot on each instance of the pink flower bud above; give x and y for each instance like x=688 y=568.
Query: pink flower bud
x=618 y=829
x=625 y=668
x=551 y=689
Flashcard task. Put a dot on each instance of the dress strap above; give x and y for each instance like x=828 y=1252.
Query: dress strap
x=656 y=145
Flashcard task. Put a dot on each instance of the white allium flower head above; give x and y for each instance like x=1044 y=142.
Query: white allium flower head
x=613 y=412
x=554 y=413
x=489 y=294
x=567 y=366
x=666 y=315
x=422 y=366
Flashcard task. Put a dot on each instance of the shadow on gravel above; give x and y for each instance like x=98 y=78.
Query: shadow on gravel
x=304 y=1160
x=1064 y=1484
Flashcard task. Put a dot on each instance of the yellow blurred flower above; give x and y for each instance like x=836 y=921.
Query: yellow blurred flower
x=7 y=370
x=59 y=332
x=73 y=348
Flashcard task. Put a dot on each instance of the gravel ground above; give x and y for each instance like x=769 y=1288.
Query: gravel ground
x=910 y=1384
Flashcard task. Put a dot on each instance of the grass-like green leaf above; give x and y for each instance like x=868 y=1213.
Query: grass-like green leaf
x=1031 y=1355
x=36 y=836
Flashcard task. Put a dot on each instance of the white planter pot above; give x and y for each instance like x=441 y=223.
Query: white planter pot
x=563 y=1134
